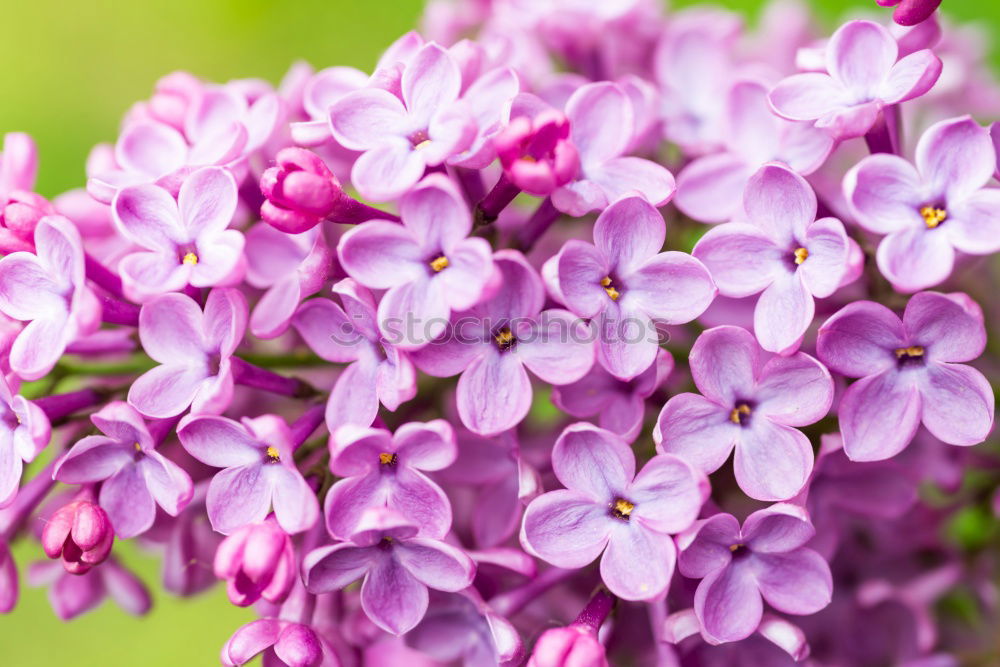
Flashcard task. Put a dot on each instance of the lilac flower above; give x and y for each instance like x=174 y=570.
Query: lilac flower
x=776 y=643
x=184 y=242
x=299 y=191
x=781 y=251
x=461 y=626
x=427 y=264
x=18 y=164
x=294 y=644
x=378 y=372
x=625 y=283
x=608 y=508
x=489 y=101
x=80 y=534
x=864 y=75
x=911 y=373
x=601 y=128
x=149 y=152
x=401 y=136
x=397 y=565
x=388 y=470
x=19 y=206
x=24 y=433
x=491 y=344
x=136 y=478
x=621 y=406
x=219 y=109
x=257 y=561
x=290 y=267
x=534 y=149
x=189 y=546
x=749 y=401
x=75 y=594
x=910 y=12
x=194 y=349
x=766 y=557
x=931 y=210
x=49 y=291
x=753 y=137
x=259 y=472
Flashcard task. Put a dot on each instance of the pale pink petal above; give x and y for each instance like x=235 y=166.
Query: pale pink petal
x=916 y=258
x=237 y=497
x=494 y=393
x=705 y=187
x=780 y=202
x=365 y=118
x=911 y=77
x=207 y=201
x=860 y=55
x=879 y=415
x=166 y=391
x=353 y=399
x=671 y=287
x=380 y=255
x=127 y=501
x=772 y=462
x=430 y=82
x=388 y=170
x=623 y=176
x=798 y=582
x=728 y=603
x=783 y=313
x=975 y=223
x=170 y=329
x=829 y=249
x=742 y=259
x=436 y=213
x=807 y=96
x=858 y=340
x=638 y=563
x=885 y=193
x=956 y=157
x=566 y=528
x=601 y=118
x=218 y=441
x=392 y=598
x=148 y=216
x=697 y=430
x=725 y=362
x=957 y=403
x=629 y=232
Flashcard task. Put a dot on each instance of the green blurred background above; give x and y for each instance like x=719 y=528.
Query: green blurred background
x=69 y=70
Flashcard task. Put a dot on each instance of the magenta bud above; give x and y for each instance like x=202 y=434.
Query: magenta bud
x=912 y=12
x=300 y=191
x=257 y=561
x=536 y=153
x=568 y=647
x=80 y=533
x=20 y=215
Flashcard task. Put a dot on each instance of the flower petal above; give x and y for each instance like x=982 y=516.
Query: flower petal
x=392 y=597
x=600 y=117
x=697 y=430
x=798 y=582
x=705 y=546
x=421 y=501
x=333 y=567
x=494 y=393
x=218 y=441
x=638 y=563
x=860 y=55
x=668 y=494
x=807 y=96
x=436 y=564
x=957 y=403
x=794 y=391
x=166 y=391
x=593 y=462
x=975 y=222
x=436 y=214
x=364 y=118
x=168 y=483
x=879 y=415
x=628 y=233
x=127 y=501
x=295 y=504
x=742 y=259
x=92 y=459
x=728 y=603
x=956 y=157
x=780 y=202
x=911 y=77
x=772 y=462
x=623 y=176
x=207 y=201
x=238 y=497
x=783 y=313
x=779 y=528
x=859 y=339
x=170 y=329
x=565 y=528
x=430 y=82
x=916 y=258
x=948 y=326
x=558 y=348
x=705 y=187
x=829 y=248
x=671 y=287
x=148 y=216
x=388 y=170
x=725 y=362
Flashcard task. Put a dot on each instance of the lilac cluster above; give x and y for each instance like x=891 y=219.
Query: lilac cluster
x=413 y=361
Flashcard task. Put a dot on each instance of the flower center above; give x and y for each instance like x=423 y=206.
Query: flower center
x=736 y=547
x=439 y=264
x=190 y=258
x=137 y=446
x=419 y=139
x=911 y=352
x=609 y=287
x=385 y=543
x=505 y=339
x=272 y=454
x=933 y=216
x=622 y=509
x=387 y=459
x=739 y=414
x=801 y=255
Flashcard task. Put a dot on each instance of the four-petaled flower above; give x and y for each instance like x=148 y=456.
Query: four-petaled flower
x=781 y=251
x=864 y=75
x=933 y=210
x=911 y=373
x=626 y=284
x=750 y=402
x=607 y=508
x=135 y=477
x=397 y=566
x=259 y=472
x=381 y=469
x=766 y=557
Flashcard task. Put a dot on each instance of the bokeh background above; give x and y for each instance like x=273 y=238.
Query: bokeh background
x=68 y=71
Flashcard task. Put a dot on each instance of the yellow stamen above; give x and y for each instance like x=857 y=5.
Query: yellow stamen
x=440 y=264
x=422 y=144
x=801 y=255
x=190 y=258
x=736 y=416
x=504 y=339
x=933 y=216
x=735 y=547
x=272 y=453
x=387 y=459
x=138 y=448
x=622 y=508
x=609 y=288
x=911 y=352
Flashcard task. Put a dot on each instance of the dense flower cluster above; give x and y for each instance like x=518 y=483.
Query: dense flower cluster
x=444 y=363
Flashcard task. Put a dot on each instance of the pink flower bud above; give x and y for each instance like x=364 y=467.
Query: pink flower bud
x=257 y=561
x=572 y=646
x=536 y=153
x=80 y=533
x=19 y=216
x=300 y=191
